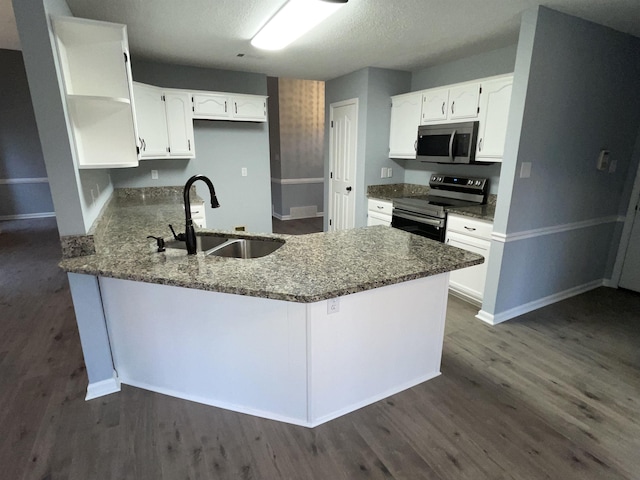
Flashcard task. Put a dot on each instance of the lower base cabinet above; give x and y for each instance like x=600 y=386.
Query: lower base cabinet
x=474 y=236
x=379 y=212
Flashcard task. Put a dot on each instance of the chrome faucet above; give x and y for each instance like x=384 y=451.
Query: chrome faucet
x=190 y=234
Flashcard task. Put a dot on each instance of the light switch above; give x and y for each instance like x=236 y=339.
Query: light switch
x=603 y=160
x=389 y=172
x=383 y=172
x=525 y=170
x=244 y=171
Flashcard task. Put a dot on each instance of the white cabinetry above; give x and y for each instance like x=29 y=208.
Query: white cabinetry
x=494 y=114
x=221 y=106
x=165 y=128
x=94 y=59
x=152 y=121
x=405 y=119
x=475 y=236
x=447 y=104
x=179 y=123
x=379 y=212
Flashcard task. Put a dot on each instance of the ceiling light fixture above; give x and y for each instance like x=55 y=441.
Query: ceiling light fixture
x=293 y=20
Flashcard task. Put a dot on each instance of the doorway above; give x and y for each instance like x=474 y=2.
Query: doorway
x=343 y=141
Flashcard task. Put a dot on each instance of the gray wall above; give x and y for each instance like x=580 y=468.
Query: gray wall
x=495 y=62
x=487 y=64
x=575 y=92
x=372 y=87
x=21 y=157
x=222 y=149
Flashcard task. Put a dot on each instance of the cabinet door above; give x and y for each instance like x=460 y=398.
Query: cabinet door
x=152 y=121
x=374 y=218
x=434 y=105
x=211 y=106
x=405 y=119
x=469 y=281
x=494 y=113
x=251 y=108
x=179 y=124
x=463 y=101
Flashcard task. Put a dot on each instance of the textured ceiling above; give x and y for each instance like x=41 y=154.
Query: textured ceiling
x=400 y=34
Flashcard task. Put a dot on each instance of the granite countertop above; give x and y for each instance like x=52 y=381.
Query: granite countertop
x=399 y=190
x=307 y=268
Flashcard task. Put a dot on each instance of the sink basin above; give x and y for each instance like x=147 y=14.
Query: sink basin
x=231 y=247
x=246 y=248
x=203 y=243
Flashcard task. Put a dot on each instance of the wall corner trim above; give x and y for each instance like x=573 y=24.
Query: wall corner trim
x=103 y=387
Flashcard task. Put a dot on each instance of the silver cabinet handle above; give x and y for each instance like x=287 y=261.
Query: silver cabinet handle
x=415 y=145
x=471 y=229
x=225 y=106
x=480 y=145
x=236 y=104
x=453 y=136
x=453 y=107
x=380 y=207
x=189 y=144
x=443 y=107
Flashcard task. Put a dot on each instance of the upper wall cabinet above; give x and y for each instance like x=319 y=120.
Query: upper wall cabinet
x=486 y=100
x=94 y=62
x=165 y=129
x=405 y=119
x=494 y=114
x=236 y=107
x=452 y=103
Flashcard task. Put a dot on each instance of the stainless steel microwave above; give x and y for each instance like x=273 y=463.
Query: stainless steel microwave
x=447 y=142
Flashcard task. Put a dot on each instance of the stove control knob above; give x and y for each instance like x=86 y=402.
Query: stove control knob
x=469 y=182
x=433 y=178
x=478 y=182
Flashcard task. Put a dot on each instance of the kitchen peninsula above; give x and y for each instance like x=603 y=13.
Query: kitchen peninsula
x=326 y=324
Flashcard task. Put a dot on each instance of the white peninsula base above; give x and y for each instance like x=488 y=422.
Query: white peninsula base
x=286 y=361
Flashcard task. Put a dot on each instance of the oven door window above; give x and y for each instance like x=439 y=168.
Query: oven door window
x=434 y=229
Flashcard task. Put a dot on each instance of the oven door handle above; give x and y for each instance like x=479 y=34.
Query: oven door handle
x=419 y=219
x=453 y=136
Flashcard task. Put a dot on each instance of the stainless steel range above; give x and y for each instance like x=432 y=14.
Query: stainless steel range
x=427 y=215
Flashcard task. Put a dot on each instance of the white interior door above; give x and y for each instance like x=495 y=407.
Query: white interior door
x=630 y=277
x=342 y=164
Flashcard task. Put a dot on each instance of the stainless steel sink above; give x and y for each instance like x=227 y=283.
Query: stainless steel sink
x=204 y=243
x=231 y=247
x=246 y=248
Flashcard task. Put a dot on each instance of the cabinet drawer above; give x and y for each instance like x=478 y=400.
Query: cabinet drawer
x=469 y=226
x=380 y=206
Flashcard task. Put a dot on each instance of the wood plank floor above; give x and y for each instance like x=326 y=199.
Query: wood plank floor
x=551 y=395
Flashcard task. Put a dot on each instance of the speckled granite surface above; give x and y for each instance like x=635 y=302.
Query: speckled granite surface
x=482 y=212
x=396 y=190
x=308 y=268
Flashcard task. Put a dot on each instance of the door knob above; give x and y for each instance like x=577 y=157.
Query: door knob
x=348 y=189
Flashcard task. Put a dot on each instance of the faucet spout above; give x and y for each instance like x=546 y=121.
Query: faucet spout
x=190 y=234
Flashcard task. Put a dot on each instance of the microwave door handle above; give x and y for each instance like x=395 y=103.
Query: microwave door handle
x=453 y=136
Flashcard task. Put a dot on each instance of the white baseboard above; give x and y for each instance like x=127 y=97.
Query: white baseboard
x=26 y=216
x=494 y=319
x=102 y=388
x=289 y=217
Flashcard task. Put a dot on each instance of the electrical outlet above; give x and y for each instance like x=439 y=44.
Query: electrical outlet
x=389 y=172
x=333 y=305
x=240 y=228
x=244 y=171
x=154 y=174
